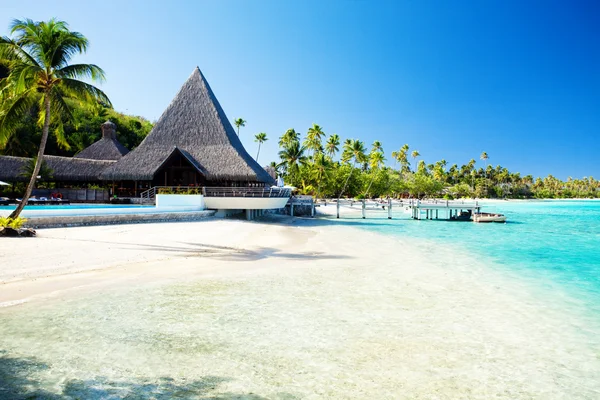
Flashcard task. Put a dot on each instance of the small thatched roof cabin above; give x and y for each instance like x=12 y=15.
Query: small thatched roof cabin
x=193 y=142
x=107 y=148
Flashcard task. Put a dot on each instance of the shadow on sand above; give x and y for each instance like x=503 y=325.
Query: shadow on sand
x=233 y=253
x=17 y=383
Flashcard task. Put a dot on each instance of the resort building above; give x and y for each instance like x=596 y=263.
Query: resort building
x=193 y=145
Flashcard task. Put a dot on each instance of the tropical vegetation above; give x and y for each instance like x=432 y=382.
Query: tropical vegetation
x=323 y=166
x=40 y=73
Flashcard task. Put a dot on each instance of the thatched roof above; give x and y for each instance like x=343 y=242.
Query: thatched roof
x=195 y=123
x=63 y=168
x=107 y=148
x=11 y=168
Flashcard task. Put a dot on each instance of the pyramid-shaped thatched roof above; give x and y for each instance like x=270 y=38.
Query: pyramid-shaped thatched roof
x=196 y=125
x=107 y=148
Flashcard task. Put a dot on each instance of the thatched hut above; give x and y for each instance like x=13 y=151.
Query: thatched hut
x=107 y=148
x=192 y=144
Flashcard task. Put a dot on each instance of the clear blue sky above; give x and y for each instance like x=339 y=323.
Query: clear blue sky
x=518 y=79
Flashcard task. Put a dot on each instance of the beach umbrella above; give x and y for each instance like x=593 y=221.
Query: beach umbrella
x=4 y=184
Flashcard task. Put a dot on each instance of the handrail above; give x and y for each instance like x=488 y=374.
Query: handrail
x=271 y=192
x=153 y=191
x=246 y=192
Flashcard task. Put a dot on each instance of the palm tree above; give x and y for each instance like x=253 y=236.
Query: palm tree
x=39 y=73
x=260 y=138
x=355 y=152
x=239 y=122
x=414 y=155
x=403 y=159
x=484 y=156
x=395 y=156
x=376 y=160
x=332 y=145
x=288 y=137
x=377 y=147
x=313 y=138
x=275 y=166
x=320 y=171
x=292 y=157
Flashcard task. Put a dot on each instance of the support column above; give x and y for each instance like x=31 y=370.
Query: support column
x=436 y=214
x=249 y=215
x=338 y=208
x=291 y=209
x=389 y=208
x=363 y=209
x=312 y=211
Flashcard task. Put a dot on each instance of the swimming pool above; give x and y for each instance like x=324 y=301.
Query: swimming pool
x=91 y=209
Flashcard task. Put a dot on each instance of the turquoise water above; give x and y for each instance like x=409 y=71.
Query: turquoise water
x=555 y=244
x=77 y=207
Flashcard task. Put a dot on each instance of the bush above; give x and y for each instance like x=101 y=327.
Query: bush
x=14 y=223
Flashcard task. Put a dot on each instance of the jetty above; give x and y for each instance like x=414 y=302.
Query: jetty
x=450 y=210
x=440 y=209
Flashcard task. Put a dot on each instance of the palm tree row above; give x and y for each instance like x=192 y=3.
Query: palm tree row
x=316 y=165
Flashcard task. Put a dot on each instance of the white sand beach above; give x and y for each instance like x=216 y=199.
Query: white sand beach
x=288 y=309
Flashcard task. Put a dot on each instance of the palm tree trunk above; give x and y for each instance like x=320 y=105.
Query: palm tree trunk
x=370 y=184
x=258 y=152
x=38 y=162
x=347 y=180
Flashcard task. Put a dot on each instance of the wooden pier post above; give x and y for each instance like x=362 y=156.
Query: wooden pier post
x=338 y=208
x=389 y=208
x=363 y=208
x=436 y=214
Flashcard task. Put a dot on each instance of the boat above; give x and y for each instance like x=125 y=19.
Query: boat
x=488 y=217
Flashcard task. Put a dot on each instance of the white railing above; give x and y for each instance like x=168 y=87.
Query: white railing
x=246 y=192
x=218 y=191
x=153 y=191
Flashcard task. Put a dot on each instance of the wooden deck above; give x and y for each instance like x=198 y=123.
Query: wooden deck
x=447 y=210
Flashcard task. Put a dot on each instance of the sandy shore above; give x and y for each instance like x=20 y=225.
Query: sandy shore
x=280 y=310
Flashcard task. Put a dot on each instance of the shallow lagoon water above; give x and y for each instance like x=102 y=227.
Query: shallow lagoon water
x=553 y=243
x=473 y=319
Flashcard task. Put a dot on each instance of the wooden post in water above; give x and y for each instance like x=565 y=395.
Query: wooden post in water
x=390 y=208
x=363 y=208
x=338 y=207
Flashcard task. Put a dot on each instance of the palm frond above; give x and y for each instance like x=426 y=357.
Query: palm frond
x=10 y=52
x=79 y=71
x=71 y=43
x=12 y=112
x=82 y=91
